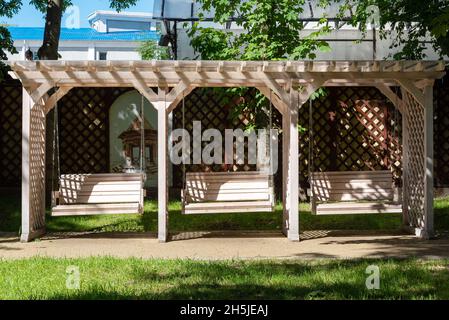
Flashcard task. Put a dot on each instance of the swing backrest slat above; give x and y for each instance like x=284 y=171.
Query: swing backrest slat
x=101 y=188
x=352 y=185
x=227 y=186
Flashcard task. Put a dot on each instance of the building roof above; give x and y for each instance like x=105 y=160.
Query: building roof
x=120 y=15
x=83 y=34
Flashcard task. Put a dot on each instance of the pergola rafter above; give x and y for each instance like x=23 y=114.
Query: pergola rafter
x=289 y=84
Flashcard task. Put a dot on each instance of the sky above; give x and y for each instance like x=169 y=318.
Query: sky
x=30 y=17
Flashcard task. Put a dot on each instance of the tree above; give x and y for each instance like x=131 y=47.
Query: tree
x=7 y=9
x=408 y=23
x=53 y=10
x=50 y=44
x=151 y=50
x=271 y=30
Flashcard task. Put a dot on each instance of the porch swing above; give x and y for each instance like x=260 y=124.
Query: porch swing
x=227 y=192
x=97 y=194
x=350 y=192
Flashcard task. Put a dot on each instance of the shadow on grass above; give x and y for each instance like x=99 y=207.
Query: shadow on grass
x=274 y=280
x=10 y=220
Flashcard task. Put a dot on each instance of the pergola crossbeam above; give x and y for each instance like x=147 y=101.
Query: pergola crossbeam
x=392 y=96
x=277 y=102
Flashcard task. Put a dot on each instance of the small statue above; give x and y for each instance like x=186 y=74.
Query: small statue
x=128 y=168
x=29 y=55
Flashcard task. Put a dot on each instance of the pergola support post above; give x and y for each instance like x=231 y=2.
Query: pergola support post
x=162 y=144
x=290 y=170
x=418 y=158
x=33 y=168
x=164 y=102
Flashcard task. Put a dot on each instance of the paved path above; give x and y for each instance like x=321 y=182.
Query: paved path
x=228 y=245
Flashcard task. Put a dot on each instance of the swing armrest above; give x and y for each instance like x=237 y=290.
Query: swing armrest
x=55 y=196
x=183 y=194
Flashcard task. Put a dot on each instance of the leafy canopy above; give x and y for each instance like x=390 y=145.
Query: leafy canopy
x=7 y=9
x=271 y=31
x=407 y=22
x=118 y=5
x=151 y=50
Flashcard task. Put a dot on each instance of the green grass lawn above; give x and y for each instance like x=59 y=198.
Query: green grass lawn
x=112 y=278
x=45 y=278
x=10 y=220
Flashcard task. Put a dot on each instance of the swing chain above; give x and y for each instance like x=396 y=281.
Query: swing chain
x=55 y=155
x=142 y=137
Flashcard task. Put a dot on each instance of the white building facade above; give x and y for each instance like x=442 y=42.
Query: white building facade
x=346 y=41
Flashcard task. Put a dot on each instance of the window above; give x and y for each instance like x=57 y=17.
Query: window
x=103 y=56
x=136 y=156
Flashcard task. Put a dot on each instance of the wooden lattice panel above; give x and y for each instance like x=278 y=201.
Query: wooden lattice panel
x=354 y=129
x=84 y=129
x=212 y=108
x=414 y=162
x=37 y=168
x=10 y=134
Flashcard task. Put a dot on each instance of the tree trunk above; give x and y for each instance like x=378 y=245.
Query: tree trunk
x=49 y=49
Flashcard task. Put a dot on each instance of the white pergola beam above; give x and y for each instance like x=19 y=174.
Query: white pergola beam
x=392 y=96
x=280 y=105
x=227 y=66
x=147 y=92
x=55 y=97
x=172 y=78
x=37 y=94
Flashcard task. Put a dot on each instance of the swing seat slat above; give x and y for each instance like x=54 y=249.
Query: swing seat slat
x=355 y=192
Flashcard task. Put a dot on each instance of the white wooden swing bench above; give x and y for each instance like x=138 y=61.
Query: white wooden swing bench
x=230 y=192
x=355 y=192
x=105 y=193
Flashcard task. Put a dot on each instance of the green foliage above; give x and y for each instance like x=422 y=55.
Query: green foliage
x=271 y=31
x=41 y=5
x=7 y=9
x=151 y=50
x=118 y=5
x=407 y=23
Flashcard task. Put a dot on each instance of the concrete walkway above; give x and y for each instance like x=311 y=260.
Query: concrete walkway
x=228 y=245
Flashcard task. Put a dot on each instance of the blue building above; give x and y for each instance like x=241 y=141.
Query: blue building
x=112 y=36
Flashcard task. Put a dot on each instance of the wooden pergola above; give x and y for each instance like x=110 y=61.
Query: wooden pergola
x=288 y=83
